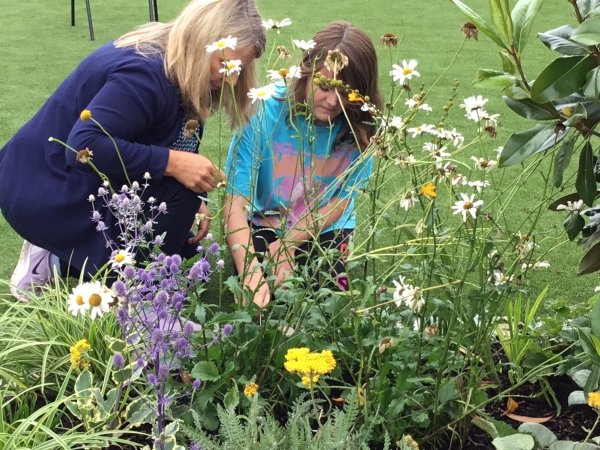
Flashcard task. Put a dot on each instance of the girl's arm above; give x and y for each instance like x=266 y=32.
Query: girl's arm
x=239 y=241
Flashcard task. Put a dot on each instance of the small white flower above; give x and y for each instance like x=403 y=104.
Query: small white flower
x=271 y=24
x=146 y=175
x=408 y=201
x=571 y=206
x=261 y=93
x=467 y=206
x=424 y=128
x=535 y=265
x=231 y=67
x=152 y=200
x=396 y=123
x=121 y=258
x=500 y=279
x=304 y=45
x=459 y=180
x=450 y=135
x=440 y=154
x=285 y=74
x=415 y=103
x=597 y=289
x=478 y=185
x=484 y=164
x=404 y=72
x=93 y=295
x=91 y=198
x=473 y=103
x=222 y=44
x=408 y=295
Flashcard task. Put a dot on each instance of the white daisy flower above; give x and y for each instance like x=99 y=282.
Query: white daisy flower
x=424 y=128
x=408 y=201
x=121 y=258
x=412 y=103
x=440 y=154
x=500 y=279
x=408 y=295
x=484 y=164
x=478 y=185
x=571 y=206
x=78 y=299
x=396 y=123
x=285 y=74
x=459 y=180
x=404 y=72
x=304 y=45
x=473 y=103
x=231 y=67
x=271 y=24
x=222 y=44
x=430 y=146
x=467 y=206
x=261 y=93
x=450 y=135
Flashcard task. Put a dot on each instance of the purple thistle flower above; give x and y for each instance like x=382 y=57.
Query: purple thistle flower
x=96 y=216
x=118 y=361
x=129 y=272
x=188 y=329
x=196 y=384
x=174 y=268
x=140 y=362
x=157 y=336
x=163 y=371
x=176 y=259
x=227 y=329
x=214 y=248
x=194 y=446
x=220 y=264
x=119 y=288
x=158 y=240
x=122 y=316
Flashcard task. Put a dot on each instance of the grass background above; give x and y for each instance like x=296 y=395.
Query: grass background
x=39 y=48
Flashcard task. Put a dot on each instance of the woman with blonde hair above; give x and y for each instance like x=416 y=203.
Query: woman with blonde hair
x=151 y=91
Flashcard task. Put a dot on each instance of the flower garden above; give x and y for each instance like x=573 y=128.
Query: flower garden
x=450 y=335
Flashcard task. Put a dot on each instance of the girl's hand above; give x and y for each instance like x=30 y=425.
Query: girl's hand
x=194 y=171
x=282 y=258
x=257 y=284
x=203 y=218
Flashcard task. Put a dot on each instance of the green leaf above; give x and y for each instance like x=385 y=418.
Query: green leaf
x=494 y=79
x=206 y=371
x=518 y=441
x=231 y=399
x=122 y=375
x=480 y=23
x=447 y=392
x=500 y=11
x=570 y=445
x=531 y=110
x=522 y=145
x=237 y=316
x=486 y=426
x=559 y=40
x=543 y=436
x=579 y=114
x=562 y=77
x=116 y=345
x=587 y=6
x=562 y=160
x=83 y=383
x=592 y=84
x=590 y=263
x=523 y=15
x=593 y=380
x=573 y=224
x=508 y=66
x=586 y=180
x=595 y=318
x=139 y=411
x=588 y=32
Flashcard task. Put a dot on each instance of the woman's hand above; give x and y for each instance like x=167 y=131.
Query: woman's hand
x=194 y=171
x=282 y=259
x=203 y=218
x=257 y=284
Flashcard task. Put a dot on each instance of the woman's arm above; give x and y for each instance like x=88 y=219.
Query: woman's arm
x=239 y=241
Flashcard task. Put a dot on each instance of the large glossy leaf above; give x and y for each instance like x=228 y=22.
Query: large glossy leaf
x=558 y=40
x=588 y=32
x=500 y=12
x=591 y=261
x=563 y=201
x=494 y=79
x=592 y=84
x=586 y=180
x=587 y=6
x=531 y=110
x=560 y=78
x=573 y=224
x=480 y=23
x=562 y=160
x=523 y=15
x=522 y=145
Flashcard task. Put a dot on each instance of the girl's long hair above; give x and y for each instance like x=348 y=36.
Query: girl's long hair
x=360 y=73
x=182 y=43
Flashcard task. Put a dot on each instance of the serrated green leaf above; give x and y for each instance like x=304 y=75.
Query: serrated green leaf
x=590 y=263
x=588 y=32
x=232 y=399
x=559 y=40
x=562 y=160
x=206 y=371
x=586 y=180
x=494 y=78
x=522 y=145
x=562 y=77
x=592 y=84
x=523 y=15
x=480 y=23
x=531 y=110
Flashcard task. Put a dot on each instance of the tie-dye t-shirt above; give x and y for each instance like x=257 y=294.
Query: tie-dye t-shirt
x=287 y=166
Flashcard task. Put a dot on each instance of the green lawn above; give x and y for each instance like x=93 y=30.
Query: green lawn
x=39 y=48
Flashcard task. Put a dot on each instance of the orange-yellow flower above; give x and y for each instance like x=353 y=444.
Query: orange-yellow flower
x=353 y=97
x=250 y=390
x=428 y=190
x=86 y=114
x=594 y=400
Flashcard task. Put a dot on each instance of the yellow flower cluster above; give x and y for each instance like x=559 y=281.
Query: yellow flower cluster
x=250 y=390
x=86 y=114
x=78 y=354
x=594 y=400
x=309 y=365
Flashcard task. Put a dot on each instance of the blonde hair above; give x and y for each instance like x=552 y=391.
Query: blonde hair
x=182 y=44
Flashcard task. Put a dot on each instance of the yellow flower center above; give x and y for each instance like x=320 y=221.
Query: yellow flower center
x=567 y=111
x=230 y=66
x=95 y=300
x=120 y=257
x=220 y=44
x=283 y=72
x=79 y=300
x=468 y=205
x=407 y=71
